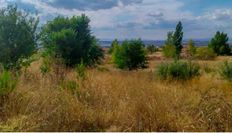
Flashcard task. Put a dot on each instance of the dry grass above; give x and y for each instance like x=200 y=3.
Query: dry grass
x=116 y=100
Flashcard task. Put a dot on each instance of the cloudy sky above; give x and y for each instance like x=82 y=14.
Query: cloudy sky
x=147 y=19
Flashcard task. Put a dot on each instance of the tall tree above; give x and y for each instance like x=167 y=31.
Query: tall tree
x=219 y=44
x=177 y=39
x=17 y=36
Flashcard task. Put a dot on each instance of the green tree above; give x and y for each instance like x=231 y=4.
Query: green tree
x=219 y=44
x=169 y=49
x=130 y=55
x=17 y=36
x=191 y=49
x=177 y=39
x=71 y=40
x=113 y=44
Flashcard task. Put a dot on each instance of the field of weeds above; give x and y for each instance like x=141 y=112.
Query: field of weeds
x=108 y=99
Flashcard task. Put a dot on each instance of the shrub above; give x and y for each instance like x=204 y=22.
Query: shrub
x=114 y=44
x=130 y=55
x=219 y=44
x=17 y=36
x=205 y=53
x=191 y=49
x=169 y=51
x=71 y=40
x=151 y=49
x=226 y=70
x=178 y=70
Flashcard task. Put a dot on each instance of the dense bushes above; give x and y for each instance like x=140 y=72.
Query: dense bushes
x=130 y=55
x=205 y=53
x=17 y=36
x=219 y=44
x=178 y=70
x=71 y=40
x=226 y=70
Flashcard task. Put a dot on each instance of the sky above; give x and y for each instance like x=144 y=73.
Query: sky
x=146 y=19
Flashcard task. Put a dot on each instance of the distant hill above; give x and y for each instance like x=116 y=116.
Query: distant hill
x=159 y=43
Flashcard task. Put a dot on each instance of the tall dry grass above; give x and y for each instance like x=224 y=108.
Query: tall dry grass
x=115 y=100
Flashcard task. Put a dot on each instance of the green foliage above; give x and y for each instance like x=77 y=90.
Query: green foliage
x=169 y=51
x=177 y=39
x=173 y=44
x=178 y=70
x=113 y=44
x=130 y=55
x=81 y=71
x=219 y=44
x=226 y=70
x=191 y=49
x=205 y=53
x=17 y=36
x=152 y=49
x=71 y=40
x=7 y=83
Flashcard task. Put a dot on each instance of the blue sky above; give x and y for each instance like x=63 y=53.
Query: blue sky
x=146 y=19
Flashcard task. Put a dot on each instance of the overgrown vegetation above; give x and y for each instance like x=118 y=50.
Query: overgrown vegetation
x=178 y=70
x=130 y=55
x=61 y=92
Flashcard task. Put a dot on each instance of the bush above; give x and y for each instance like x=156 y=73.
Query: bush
x=178 y=70
x=219 y=44
x=226 y=70
x=151 y=49
x=113 y=44
x=17 y=36
x=71 y=40
x=205 y=53
x=169 y=51
x=130 y=55
x=191 y=49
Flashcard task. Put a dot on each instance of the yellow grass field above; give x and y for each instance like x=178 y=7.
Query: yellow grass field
x=114 y=100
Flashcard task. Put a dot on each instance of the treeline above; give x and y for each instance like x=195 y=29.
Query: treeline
x=69 y=41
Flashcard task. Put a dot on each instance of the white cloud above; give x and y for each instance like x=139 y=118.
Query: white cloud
x=149 y=19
